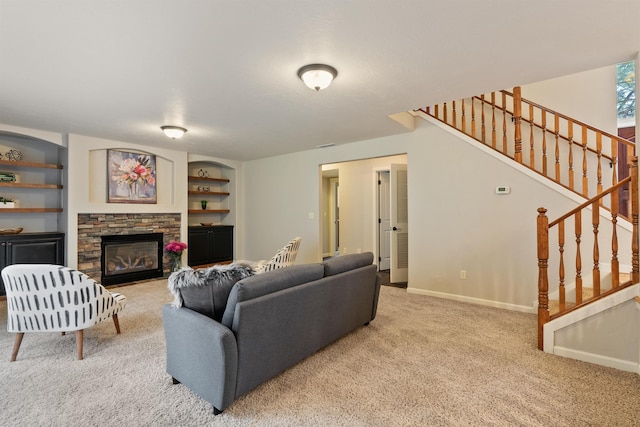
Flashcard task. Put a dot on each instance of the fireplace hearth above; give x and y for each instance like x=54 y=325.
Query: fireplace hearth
x=130 y=257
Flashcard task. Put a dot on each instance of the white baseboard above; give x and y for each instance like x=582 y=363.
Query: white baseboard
x=472 y=300
x=597 y=359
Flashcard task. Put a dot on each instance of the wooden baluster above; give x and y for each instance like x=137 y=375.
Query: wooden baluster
x=482 y=126
x=504 y=124
x=429 y=110
x=595 y=216
x=444 y=113
x=570 y=136
x=436 y=112
x=631 y=152
x=585 y=179
x=614 y=161
x=543 y=280
x=544 y=142
x=463 y=118
x=635 y=211
x=532 y=155
x=517 y=117
x=599 y=152
x=561 y=290
x=578 y=229
x=556 y=120
x=473 y=117
x=453 y=112
x=615 y=265
x=493 y=120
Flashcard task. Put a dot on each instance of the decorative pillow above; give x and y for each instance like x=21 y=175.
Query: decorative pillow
x=206 y=290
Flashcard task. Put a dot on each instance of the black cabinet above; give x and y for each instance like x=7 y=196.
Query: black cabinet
x=210 y=245
x=30 y=248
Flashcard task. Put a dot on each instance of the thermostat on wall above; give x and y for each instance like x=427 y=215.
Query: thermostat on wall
x=503 y=189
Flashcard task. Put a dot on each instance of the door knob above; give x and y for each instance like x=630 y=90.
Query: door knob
x=395 y=228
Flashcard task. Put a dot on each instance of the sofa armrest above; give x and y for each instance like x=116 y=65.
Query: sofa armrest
x=202 y=354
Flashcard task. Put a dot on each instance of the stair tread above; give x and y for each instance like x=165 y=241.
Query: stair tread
x=587 y=293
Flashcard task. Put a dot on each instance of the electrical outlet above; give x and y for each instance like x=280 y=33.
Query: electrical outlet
x=463 y=274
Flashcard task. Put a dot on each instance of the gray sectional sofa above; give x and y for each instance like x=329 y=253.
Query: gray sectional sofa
x=271 y=322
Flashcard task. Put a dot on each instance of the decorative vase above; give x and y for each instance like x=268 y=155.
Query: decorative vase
x=133 y=191
x=204 y=204
x=176 y=262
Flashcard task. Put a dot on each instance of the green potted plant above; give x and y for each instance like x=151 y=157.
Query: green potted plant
x=204 y=204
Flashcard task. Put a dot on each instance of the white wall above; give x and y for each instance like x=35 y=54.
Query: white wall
x=589 y=97
x=456 y=221
x=281 y=193
x=612 y=334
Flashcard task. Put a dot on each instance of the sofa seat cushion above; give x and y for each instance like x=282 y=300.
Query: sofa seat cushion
x=340 y=264
x=269 y=282
x=206 y=290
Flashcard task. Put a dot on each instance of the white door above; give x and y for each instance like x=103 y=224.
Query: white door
x=384 y=221
x=399 y=216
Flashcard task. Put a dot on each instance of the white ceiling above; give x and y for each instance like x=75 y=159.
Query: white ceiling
x=226 y=70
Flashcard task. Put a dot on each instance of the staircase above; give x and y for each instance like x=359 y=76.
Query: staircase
x=582 y=159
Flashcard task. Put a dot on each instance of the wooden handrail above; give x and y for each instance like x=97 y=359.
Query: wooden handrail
x=577 y=122
x=590 y=201
x=565 y=138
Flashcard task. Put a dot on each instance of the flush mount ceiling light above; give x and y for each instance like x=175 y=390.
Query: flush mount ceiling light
x=317 y=76
x=173 y=131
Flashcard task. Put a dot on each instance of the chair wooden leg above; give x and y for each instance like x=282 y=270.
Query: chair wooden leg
x=115 y=322
x=79 y=339
x=16 y=346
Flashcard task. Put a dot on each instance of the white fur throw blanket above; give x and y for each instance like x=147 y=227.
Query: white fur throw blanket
x=218 y=275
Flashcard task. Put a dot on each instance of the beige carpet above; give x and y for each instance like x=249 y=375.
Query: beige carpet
x=422 y=361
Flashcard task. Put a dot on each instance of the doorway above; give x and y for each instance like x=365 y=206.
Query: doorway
x=357 y=212
x=330 y=212
x=384 y=222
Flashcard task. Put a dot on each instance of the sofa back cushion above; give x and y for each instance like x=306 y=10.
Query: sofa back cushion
x=206 y=290
x=340 y=264
x=269 y=282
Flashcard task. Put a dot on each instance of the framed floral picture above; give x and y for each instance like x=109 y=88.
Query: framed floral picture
x=132 y=177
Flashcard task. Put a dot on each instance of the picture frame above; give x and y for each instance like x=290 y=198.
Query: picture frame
x=131 y=177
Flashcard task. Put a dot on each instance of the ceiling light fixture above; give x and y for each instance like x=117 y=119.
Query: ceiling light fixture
x=317 y=76
x=173 y=131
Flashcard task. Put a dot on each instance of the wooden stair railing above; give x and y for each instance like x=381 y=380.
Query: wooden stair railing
x=559 y=147
x=574 y=220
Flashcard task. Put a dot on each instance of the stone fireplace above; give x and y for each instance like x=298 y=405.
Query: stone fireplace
x=92 y=227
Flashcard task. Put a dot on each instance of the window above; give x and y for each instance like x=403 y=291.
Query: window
x=626 y=87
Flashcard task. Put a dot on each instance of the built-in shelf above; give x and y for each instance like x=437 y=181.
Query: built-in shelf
x=29 y=210
x=201 y=190
x=200 y=178
x=208 y=211
x=39 y=186
x=210 y=193
x=30 y=164
x=25 y=185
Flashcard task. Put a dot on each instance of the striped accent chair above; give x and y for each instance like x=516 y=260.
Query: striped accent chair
x=53 y=298
x=283 y=258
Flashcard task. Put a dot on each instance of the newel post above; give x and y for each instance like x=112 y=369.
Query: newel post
x=543 y=279
x=517 y=116
x=635 y=247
